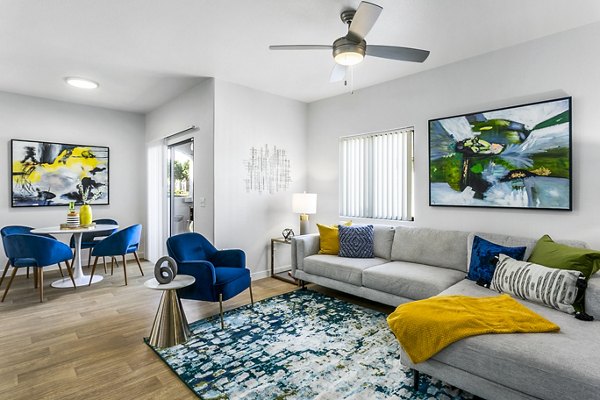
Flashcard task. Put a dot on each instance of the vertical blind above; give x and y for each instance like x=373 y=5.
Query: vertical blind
x=376 y=175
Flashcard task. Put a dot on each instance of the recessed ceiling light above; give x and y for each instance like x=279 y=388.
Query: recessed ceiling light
x=81 y=83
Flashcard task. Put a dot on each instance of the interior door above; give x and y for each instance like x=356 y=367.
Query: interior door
x=181 y=187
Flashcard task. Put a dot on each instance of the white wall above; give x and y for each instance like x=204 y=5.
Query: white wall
x=555 y=66
x=246 y=118
x=24 y=117
x=193 y=107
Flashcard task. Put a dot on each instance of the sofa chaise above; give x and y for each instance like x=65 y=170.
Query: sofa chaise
x=417 y=263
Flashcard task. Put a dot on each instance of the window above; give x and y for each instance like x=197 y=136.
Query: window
x=376 y=175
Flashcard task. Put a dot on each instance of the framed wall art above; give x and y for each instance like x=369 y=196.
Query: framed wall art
x=54 y=174
x=513 y=157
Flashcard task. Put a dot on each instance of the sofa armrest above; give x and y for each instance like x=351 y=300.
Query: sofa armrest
x=592 y=296
x=302 y=247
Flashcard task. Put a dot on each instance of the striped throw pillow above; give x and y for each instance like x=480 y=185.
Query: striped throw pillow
x=552 y=287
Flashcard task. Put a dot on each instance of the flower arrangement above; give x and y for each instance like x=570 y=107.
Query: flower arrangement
x=88 y=194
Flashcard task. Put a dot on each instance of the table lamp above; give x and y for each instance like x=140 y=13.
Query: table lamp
x=304 y=204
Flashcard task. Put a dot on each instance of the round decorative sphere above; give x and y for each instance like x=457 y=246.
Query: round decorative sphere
x=165 y=273
x=287 y=234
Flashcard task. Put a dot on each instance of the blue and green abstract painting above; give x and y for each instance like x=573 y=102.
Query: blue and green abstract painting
x=518 y=157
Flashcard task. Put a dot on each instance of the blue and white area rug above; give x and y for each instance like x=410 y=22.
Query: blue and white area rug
x=300 y=345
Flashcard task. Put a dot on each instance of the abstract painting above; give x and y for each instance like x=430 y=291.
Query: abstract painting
x=514 y=157
x=54 y=174
x=268 y=170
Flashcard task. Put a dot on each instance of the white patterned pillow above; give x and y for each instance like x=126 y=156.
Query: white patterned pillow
x=553 y=287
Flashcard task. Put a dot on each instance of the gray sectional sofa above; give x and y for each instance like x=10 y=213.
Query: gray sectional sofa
x=417 y=263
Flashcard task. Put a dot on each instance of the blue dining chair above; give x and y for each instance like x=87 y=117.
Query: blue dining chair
x=26 y=250
x=220 y=274
x=20 y=229
x=88 y=239
x=125 y=241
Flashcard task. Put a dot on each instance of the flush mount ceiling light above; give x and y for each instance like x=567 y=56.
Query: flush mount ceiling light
x=81 y=83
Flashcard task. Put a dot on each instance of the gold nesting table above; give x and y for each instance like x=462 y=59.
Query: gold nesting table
x=170 y=326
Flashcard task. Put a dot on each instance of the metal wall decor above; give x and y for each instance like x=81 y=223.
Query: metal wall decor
x=267 y=170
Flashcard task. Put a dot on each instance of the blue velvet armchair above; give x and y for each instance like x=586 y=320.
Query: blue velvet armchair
x=220 y=274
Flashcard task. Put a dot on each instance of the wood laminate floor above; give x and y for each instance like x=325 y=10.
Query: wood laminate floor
x=87 y=343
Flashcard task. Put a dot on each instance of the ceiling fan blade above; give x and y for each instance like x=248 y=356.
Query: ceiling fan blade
x=363 y=20
x=300 y=47
x=398 y=53
x=338 y=73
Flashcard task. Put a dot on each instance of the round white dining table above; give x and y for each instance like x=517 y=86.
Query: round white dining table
x=78 y=276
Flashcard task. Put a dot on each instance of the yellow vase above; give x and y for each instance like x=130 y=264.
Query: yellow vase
x=85 y=214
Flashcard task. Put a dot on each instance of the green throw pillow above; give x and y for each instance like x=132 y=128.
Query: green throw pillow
x=547 y=252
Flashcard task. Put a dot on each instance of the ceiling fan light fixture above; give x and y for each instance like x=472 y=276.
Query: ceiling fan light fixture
x=347 y=52
x=349 y=58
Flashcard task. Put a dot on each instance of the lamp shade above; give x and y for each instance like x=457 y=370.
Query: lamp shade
x=304 y=203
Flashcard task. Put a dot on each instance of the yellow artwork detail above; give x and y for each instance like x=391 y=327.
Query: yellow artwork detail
x=79 y=156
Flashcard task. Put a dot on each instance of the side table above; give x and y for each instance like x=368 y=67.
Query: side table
x=285 y=276
x=170 y=326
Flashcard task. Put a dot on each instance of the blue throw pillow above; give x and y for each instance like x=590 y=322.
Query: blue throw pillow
x=483 y=259
x=356 y=241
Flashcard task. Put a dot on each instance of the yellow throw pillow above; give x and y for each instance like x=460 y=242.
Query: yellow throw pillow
x=329 y=239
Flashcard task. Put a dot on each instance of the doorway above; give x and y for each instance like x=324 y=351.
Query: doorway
x=181 y=187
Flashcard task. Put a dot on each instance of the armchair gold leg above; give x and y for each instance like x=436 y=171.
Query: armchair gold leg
x=93 y=270
x=104 y=262
x=4 y=272
x=12 y=276
x=251 y=296
x=70 y=271
x=41 y=278
x=125 y=269
x=137 y=259
x=27 y=272
x=60 y=269
x=221 y=309
x=89 y=257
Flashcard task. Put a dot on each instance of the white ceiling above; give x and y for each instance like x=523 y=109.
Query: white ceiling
x=144 y=52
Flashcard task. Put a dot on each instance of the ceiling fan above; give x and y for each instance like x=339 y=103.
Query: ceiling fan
x=352 y=48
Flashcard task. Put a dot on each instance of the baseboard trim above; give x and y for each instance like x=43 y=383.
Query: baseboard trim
x=256 y=275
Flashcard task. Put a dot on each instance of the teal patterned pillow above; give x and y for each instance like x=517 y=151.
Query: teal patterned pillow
x=356 y=241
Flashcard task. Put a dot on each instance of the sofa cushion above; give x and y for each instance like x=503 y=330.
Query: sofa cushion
x=557 y=255
x=383 y=237
x=484 y=256
x=329 y=241
x=514 y=241
x=553 y=287
x=592 y=297
x=560 y=365
x=356 y=241
x=411 y=280
x=347 y=270
x=431 y=247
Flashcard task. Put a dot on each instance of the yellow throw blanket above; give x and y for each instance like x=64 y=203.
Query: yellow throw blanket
x=425 y=327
